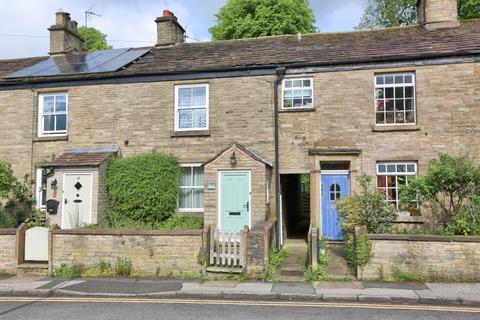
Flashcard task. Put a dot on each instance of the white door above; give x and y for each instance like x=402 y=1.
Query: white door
x=77 y=200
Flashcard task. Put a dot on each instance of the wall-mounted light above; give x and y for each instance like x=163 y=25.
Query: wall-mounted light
x=126 y=142
x=53 y=184
x=233 y=159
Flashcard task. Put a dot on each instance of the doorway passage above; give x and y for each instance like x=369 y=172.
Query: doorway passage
x=296 y=204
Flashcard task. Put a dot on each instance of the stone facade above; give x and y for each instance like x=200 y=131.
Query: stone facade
x=8 y=251
x=260 y=175
x=343 y=116
x=149 y=251
x=455 y=258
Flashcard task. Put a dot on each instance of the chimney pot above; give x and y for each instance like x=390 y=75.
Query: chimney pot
x=168 y=13
x=169 y=31
x=435 y=14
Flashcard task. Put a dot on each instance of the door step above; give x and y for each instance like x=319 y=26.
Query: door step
x=33 y=270
x=225 y=270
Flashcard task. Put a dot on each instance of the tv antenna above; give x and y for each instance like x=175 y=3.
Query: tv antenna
x=89 y=14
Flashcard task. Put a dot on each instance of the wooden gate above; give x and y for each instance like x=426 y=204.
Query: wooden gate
x=227 y=249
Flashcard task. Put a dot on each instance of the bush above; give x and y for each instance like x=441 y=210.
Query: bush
x=66 y=270
x=451 y=187
x=142 y=188
x=38 y=219
x=368 y=209
x=275 y=259
x=358 y=250
x=123 y=267
x=100 y=269
x=175 y=222
x=16 y=198
x=320 y=273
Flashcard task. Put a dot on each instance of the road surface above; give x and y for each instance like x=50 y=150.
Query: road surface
x=184 y=309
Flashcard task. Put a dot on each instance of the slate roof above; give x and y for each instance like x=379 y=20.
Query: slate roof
x=317 y=49
x=80 y=159
x=10 y=65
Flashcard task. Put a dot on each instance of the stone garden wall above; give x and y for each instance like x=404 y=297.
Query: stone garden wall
x=446 y=257
x=8 y=251
x=149 y=251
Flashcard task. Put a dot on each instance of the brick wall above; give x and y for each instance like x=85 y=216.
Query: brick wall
x=170 y=251
x=454 y=257
x=8 y=255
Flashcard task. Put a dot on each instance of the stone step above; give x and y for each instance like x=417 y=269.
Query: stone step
x=291 y=278
x=224 y=270
x=293 y=273
x=32 y=270
x=292 y=267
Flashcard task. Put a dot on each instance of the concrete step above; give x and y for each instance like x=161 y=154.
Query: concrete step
x=36 y=269
x=293 y=273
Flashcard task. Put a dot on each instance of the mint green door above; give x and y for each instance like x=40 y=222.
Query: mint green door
x=234 y=200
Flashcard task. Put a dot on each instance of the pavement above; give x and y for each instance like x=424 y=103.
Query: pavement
x=447 y=294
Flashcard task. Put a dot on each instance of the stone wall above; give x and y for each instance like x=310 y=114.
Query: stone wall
x=8 y=251
x=452 y=257
x=149 y=251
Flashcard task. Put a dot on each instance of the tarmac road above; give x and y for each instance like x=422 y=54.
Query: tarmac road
x=73 y=308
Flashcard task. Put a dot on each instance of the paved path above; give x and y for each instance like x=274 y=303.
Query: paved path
x=467 y=294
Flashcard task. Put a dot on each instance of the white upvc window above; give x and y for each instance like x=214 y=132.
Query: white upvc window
x=40 y=189
x=191 y=188
x=191 y=107
x=392 y=175
x=297 y=93
x=395 y=99
x=52 y=114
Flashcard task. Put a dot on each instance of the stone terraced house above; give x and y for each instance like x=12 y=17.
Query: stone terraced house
x=258 y=125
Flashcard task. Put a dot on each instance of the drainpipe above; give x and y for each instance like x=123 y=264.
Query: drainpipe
x=280 y=71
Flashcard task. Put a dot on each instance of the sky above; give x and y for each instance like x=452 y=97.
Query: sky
x=130 y=23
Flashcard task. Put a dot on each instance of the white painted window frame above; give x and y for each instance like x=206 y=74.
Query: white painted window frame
x=395 y=174
x=39 y=191
x=311 y=87
x=41 y=131
x=394 y=85
x=192 y=165
x=207 y=106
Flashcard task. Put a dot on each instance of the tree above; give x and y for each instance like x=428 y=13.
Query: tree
x=452 y=184
x=256 y=18
x=94 y=39
x=395 y=13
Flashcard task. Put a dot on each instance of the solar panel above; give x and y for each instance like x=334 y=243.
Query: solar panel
x=92 y=62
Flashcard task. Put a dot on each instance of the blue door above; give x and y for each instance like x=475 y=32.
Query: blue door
x=334 y=186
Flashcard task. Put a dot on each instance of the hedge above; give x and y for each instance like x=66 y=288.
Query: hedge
x=142 y=188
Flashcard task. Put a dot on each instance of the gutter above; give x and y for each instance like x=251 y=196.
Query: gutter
x=280 y=72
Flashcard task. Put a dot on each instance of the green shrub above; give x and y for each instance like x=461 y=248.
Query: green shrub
x=66 y=270
x=183 y=222
x=16 y=198
x=100 y=269
x=7 y=219
x=320 y=274
x=368 y=209
x=358 y=250
x=450 y=186
x=142 y=188
x=38 y=219
x=275 y=259
x=123 y=267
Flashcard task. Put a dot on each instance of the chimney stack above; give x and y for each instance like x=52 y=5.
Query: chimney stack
x=169 y=31
x=64 y=37
x=435 y=14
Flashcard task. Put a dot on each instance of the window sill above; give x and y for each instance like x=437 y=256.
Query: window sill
x=296 y=110
x=392 y=128
x=192 y=133
x=51 y=138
